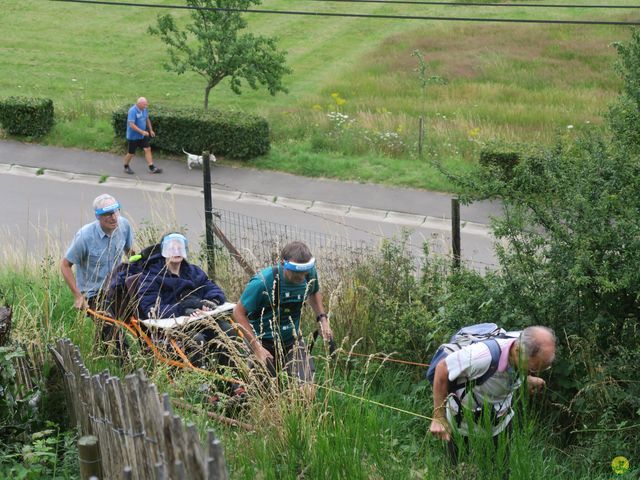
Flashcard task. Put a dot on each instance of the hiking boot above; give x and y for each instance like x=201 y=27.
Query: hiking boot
x=127 y=169
x=154 y=169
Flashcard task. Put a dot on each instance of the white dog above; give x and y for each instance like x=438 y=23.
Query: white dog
x=197 y=159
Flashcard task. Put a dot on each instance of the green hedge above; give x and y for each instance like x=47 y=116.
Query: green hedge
x=227 y=133
x=26 y=116
x=501 y=155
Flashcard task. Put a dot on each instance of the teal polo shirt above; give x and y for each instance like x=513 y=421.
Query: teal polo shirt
x=257 y=299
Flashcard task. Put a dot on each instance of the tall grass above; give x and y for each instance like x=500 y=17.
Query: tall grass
x=514 y=82
x=366 y=419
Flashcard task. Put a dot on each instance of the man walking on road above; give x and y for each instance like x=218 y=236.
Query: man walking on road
x=139 y=130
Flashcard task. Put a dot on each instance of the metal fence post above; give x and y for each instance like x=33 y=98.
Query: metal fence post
x=208 y=215
x=455 y=231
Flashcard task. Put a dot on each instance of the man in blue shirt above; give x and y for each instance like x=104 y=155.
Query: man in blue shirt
x=96 y=249
x=139 y=130
x=269 y=311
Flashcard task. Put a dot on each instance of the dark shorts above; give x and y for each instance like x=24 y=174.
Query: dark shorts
x=135 y=144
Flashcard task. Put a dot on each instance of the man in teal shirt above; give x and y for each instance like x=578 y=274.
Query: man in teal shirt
x=270 y=307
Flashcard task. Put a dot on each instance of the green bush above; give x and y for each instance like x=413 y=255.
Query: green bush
x=500 y=156
x=26 y=116
x=227 y=133
x=570 y=259
x=402 y=312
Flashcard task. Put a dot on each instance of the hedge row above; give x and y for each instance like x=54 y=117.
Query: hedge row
x=227 y=133
x=26 y=116
x=501 y=155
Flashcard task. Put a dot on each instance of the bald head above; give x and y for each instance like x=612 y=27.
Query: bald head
x=537 y=346
x=142 y=103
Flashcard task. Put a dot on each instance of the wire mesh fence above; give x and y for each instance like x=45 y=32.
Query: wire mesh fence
x=260 y=242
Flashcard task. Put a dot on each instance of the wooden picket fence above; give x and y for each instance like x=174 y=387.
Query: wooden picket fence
x=138 y=435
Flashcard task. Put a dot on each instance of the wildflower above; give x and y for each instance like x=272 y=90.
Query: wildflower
x=74 y=80
x=569 y=127
x=474 y=132
x=316 y=107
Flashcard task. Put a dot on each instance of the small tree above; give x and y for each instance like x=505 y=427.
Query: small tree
x=212 y=46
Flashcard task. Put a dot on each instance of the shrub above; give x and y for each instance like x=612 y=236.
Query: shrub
x=500 y=156
x=228 y=133
x=569 y=255
x=26 y=116
x=401 y=303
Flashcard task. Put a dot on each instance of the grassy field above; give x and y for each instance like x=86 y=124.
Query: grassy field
x=498 y=81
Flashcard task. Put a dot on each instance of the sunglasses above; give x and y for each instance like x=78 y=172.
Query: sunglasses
x=537 y=372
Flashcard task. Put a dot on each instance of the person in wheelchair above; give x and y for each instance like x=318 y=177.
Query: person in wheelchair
x=173 y=287
x=170 y=286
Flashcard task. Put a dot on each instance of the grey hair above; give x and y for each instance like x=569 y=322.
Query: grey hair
x=296 y=252
x=101 y=200
x=529 y=342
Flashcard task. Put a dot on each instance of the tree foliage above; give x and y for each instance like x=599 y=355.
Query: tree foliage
x=624 y=113
x=213 y=46
x=569 y=250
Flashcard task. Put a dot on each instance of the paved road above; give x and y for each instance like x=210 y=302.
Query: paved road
x=274 y=184
x=42 y=212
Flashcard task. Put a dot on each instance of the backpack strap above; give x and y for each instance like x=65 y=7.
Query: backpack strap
x=494 y=349
x=276 y=291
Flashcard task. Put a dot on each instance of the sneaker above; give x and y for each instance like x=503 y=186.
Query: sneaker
x=127 y=169
x=154 y=169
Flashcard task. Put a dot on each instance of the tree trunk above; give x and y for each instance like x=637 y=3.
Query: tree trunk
x=206 y=96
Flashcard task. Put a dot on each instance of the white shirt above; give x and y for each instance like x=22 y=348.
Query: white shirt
x=472 y=362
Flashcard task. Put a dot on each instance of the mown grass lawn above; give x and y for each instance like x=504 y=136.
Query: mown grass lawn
x=495 y=81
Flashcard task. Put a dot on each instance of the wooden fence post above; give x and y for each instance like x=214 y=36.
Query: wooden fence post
x=420 y=136
x=216 y=464
x=89 y=453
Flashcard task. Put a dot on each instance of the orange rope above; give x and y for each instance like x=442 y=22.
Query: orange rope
x=175 y=363
x=180 y=353
x=104 y=318
x=139 y=333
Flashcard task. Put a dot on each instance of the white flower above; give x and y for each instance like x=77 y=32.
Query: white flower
x=74 y=80
x=569 y=127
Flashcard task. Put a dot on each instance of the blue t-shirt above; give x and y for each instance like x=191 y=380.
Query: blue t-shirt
x=95 y=254
x=257 y=299
x=139 y=117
